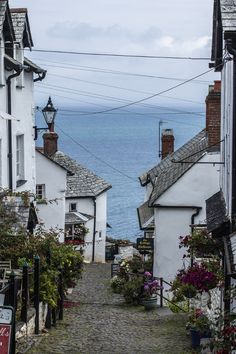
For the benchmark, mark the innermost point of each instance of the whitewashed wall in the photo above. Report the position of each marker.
(226, 132)
(51, 215)
(86, 205)
(192, 189)
(22, 109)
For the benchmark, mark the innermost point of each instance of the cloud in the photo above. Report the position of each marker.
(119, 38)
(85, 31)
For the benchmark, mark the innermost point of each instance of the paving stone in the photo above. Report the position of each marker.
(101, 323)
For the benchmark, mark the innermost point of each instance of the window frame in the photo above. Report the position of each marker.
(20, 163)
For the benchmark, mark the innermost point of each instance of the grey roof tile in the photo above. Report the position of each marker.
(166, 173)
(18, 20)
(228, 14)
(146, 216)
(216, 211)
(3, 7)
(83, 183)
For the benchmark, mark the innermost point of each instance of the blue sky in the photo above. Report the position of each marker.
(149, 27)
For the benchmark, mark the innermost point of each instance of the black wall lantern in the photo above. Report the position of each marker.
(49, 113)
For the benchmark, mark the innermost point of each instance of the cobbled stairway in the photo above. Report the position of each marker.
(100, 323)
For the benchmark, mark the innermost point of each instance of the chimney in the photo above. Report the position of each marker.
(167, 141)
(213, 114)
(50, 143)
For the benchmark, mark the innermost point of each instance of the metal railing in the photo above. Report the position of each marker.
(162, 297)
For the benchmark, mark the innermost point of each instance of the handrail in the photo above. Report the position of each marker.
(163, 281)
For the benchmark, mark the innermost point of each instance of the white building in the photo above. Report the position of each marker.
(221, 207)
(50, 193)
(85, 204)
(176, 189)
(17, 76)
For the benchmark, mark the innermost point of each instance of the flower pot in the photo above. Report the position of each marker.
(150, 303)
(195, 338)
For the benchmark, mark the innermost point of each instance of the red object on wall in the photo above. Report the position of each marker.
(5, 338)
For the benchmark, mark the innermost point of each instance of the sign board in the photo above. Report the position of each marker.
(5, 338)
(6, 321)
(114, 269)
(145, 245)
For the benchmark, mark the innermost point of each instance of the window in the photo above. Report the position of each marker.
(20, 157)
(73, 207)
(75, 234)
(100, 234)
(40, 191)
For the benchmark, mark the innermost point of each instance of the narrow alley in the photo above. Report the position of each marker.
(101, 323)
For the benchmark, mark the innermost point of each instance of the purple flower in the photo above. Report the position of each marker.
(147, 274)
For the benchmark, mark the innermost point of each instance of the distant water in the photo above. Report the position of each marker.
(129, 142)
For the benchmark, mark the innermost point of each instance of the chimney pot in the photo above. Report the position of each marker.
(213, 113)
(167, 139)
(50, 143)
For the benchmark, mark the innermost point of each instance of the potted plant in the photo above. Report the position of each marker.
(149, 291)
(199, 327)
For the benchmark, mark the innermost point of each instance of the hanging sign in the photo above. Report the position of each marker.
(6, 319)
(145, 245)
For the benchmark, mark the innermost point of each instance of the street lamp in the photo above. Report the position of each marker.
(49, 113)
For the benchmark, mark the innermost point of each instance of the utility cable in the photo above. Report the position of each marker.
(157, 115)
(115, 72)
(116, 54)
(96, 157)
(152, 96)
(91, 94)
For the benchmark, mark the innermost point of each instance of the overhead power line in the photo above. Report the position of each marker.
(150, 97)
(96, 157)
(157, 115)
(109, 98)
(114, 72)
(119, 55)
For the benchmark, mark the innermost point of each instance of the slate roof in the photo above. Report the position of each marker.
(228, 14)
(145, 216)
(21, 26)
(166, 173)
(216, 211)
(77, 217)
(83, 183)
(3, 7)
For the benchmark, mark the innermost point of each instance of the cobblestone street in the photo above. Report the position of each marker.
(102, 324)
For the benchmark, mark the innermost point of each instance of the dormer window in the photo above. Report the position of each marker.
(73, 207)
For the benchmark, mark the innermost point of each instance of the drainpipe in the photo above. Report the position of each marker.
(94, 227)
(10, 167)
(232, 51)
(192, 227)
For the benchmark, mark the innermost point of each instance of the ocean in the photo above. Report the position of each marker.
(119, 148)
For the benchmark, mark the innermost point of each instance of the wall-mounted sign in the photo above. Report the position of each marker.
(145, 245)
(5, 339)
(6, 319)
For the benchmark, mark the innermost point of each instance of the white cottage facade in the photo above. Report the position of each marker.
(17, 76)
(82, 200)
(176, 190)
